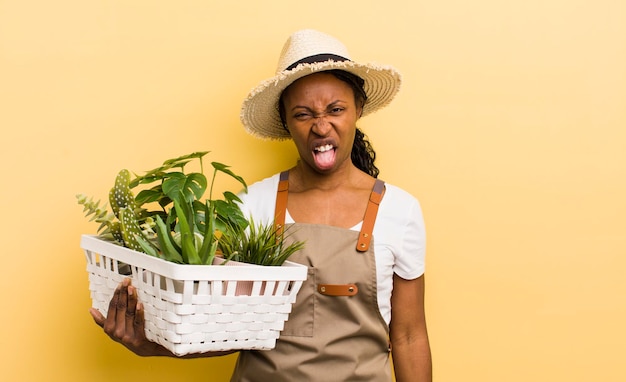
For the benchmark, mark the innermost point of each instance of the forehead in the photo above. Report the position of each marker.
(319, 84)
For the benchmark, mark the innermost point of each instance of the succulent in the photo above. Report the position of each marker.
(258, 244)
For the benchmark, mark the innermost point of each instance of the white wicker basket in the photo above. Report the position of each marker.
(197, 308)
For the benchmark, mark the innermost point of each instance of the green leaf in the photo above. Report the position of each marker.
(209, 244)
(158, 173)
(147, 246)
(185, 158)
(196, 183)
(148, 196)
(173, 185)
(229, 213)
(187, 237)
(169, 250)
(224, 168)
(180, 187)
(231, 197)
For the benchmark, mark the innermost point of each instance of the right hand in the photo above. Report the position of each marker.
(124, 322)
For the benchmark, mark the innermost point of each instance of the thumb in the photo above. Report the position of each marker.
(97, 316)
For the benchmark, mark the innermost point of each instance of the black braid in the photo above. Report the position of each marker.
(363, 154)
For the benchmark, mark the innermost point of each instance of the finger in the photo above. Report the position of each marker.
(131, 308)
(109, 323)
(140, 321)
(97, 317)
(121, 308)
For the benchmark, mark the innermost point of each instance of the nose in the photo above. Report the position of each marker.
(321, 126)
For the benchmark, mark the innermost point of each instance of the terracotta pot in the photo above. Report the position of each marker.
(243, 288)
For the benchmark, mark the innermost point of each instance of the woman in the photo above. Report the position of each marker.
(364, 239)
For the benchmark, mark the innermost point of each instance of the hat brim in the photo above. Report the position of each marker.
(259, 111)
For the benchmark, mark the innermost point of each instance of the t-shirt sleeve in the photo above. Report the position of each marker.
(402, 224)
(410, 256)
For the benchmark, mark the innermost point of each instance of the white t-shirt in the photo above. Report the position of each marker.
(399, 234)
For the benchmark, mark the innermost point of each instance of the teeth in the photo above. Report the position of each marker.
(324, 148)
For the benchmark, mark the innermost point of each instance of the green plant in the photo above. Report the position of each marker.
(258, 244)
(167, 218)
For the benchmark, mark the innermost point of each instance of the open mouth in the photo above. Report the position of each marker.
(324, 156)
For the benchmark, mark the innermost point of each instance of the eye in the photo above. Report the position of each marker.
(302, 116)
(336, 110)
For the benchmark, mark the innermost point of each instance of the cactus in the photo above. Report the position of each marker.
(125, 208)
(120, 195)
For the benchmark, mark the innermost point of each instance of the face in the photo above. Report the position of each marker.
(321, 115)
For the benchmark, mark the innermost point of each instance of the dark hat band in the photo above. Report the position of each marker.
(317, 58)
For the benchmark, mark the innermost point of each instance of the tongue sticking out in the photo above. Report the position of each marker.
(325, 160)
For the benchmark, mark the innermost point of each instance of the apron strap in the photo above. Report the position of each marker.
(365, 236)
(281, 203)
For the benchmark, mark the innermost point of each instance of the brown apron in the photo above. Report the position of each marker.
(335, 331)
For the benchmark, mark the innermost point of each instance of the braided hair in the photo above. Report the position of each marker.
(363, 154)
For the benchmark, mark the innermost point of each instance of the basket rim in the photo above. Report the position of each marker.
(289, 271)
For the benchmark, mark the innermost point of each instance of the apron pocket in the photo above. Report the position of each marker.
(301, 319)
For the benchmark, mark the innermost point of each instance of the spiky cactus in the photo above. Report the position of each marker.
(123, 204)
(128, 213)
(120, 196)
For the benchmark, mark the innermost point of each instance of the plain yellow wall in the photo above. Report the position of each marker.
(510, 128)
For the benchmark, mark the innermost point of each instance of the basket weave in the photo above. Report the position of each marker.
(197, 308)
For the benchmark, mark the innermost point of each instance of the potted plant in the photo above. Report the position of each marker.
(166, 239)
(169, 220)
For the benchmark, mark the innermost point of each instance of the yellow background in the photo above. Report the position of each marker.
(510, 128)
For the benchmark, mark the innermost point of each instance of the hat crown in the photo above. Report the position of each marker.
(306, 52)
(306, 43)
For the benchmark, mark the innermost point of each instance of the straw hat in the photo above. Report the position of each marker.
(307, 52)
